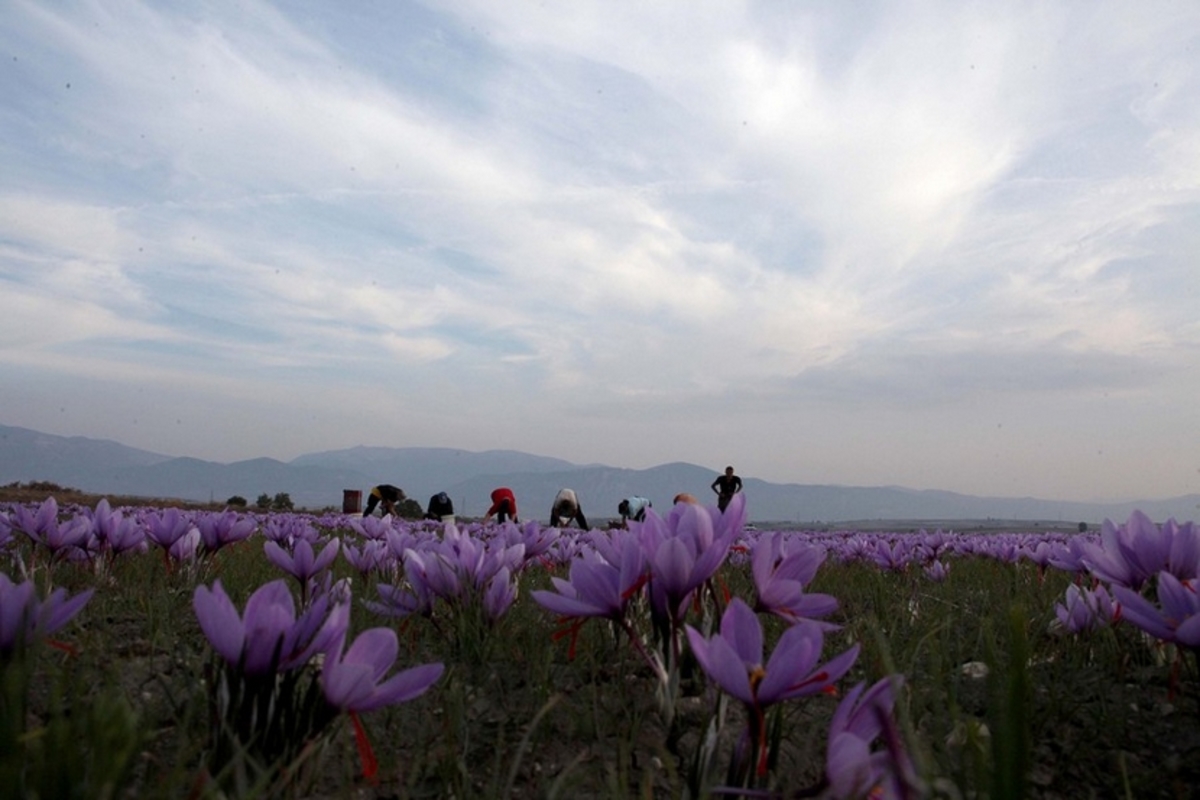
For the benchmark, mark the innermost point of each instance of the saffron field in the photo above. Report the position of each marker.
(160, 652)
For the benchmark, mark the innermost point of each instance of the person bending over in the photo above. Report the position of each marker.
(633, 508)
(504, 505)
(566, 507)
(384, 493)
(440, 505)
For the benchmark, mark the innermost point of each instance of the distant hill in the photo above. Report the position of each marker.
(317, 480)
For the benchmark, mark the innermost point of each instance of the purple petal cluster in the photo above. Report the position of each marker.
(1084, 610)
(268, 637)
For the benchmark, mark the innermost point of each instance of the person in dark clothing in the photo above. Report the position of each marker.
(633, 508)
(566, 507)
(504, 505)
(726, 486)
(440, 505)
(388, 495)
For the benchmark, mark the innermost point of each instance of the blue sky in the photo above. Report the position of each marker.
(938, 245)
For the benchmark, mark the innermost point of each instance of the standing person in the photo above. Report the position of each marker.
(566, 507)
(388, 495)
(726, 486)
(504, 505)
(440, 507)
(633, 508)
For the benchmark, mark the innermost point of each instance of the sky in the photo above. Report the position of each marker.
(940, 245)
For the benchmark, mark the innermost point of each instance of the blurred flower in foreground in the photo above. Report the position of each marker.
(1178, 619)
(853, 769)
(23, 617)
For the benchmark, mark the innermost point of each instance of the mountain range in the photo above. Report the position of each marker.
(318, 480)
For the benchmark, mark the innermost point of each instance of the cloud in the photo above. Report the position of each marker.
(506, 220)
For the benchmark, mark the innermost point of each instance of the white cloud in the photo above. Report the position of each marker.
(701, 224)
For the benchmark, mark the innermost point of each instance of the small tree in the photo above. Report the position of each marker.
(282, 502)
(237, 500)
(263, 502)
(409, 509)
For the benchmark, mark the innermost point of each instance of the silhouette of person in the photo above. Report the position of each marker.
(726, 486)
(388, 495)
(504, 505)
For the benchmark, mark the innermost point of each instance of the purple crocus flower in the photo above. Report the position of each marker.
(167, 527)
(185, 547)
(894, 555)
(225, 528)
(684, 550)
(23, 617)
(35, 524)
(115, 532)
(301, 563)
(268, 637)
(1183, 556)
(1178, 619)
(780, 577)
(852, 768)
(351, 679)
(1130, 554)
(595, 587)
(368, 558)
(43, 527)
(1084, 609)
(499, 595)
(399, 602)
(936, 570)
(734, 659)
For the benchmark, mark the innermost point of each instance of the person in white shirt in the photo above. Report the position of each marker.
(565, 509)
(633, 508)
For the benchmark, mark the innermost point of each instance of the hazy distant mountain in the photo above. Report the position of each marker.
(29, 455)
(317, 480)
(429, 467)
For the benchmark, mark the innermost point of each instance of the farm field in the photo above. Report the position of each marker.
(164, 652)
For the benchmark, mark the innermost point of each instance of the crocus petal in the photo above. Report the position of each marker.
(722, 663)
(278, 556)
(740, 627)
(406, 685)
(848, 766)
(219, 621)
(376, 648)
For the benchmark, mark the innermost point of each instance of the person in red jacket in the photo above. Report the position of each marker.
(504, 505)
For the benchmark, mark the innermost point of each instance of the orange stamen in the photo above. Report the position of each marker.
(70, 650)
(642, 580)
(571, 629)
(370, 764)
